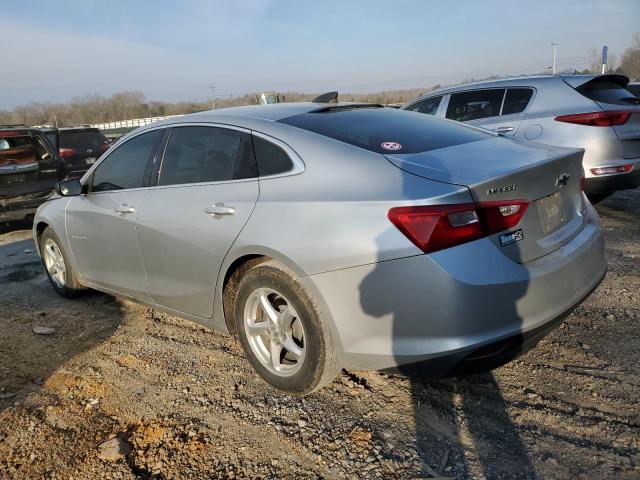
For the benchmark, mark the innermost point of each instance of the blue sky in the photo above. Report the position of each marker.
(174, 50)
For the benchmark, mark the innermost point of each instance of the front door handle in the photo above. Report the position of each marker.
(504, 129)
(124, 208)
(220, 209)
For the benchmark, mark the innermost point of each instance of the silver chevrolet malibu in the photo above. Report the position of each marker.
(334, 235)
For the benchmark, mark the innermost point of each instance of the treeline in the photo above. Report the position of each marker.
(127, 105)
(96, 108)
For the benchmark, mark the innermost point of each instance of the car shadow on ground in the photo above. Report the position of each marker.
(28, 305)
(443, 306)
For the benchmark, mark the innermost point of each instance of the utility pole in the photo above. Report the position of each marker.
(555, 51)
(213, 105)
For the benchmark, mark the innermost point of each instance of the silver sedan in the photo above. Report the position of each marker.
(328, 236)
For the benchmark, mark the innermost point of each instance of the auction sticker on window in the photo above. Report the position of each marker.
(391, 146)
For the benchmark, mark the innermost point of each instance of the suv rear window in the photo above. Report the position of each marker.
(385, 130)
(82, 140)
(608, 91)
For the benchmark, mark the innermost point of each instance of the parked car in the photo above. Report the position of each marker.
(634, 88)
(80, 147)
(29, 170)
(594, 112)
(334, 235)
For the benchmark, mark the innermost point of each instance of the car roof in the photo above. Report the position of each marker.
(273, 111)
(81, 128)
(519, 81)
(249, 115)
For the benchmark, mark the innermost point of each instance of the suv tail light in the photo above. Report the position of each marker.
(598, 119)
(609, 170)
(433, 228)
(67, 152)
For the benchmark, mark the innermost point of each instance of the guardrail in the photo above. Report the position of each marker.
(131, 123)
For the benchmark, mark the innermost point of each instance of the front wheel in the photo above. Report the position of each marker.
(281, 332)
(57, 265)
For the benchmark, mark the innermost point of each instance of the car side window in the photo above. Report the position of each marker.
(428, 106)
(474, 105)
(516, 100)
(271, 159)
(125, 167)
(206, 154)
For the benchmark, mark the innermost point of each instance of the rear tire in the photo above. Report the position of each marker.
(56, 264)
(280, 330)
(598, 197)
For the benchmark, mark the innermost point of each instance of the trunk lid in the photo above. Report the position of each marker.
(501, 169)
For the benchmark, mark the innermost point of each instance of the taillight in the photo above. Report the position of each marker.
(104, 147)
(67, 152)
(598, 119)
(610, 170)
(433, 228)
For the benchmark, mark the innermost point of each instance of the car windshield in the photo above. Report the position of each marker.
(385, 130)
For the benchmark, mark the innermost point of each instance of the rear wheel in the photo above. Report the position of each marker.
(281, 332)
(57, 265)
(598, 197)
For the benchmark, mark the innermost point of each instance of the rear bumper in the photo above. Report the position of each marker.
(483, 358)
(445, 307)
(603, 184)
(15, 211)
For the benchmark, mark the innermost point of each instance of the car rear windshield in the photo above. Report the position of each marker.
(608, 91)
(385, 130)
(83, 140)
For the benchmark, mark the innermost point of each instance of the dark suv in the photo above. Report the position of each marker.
(29, 170)
(79, 148)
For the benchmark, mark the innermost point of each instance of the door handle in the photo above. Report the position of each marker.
(124, 208)
(220, 209)
(504, 129)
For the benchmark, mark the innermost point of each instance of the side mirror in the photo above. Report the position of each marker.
(69, 188)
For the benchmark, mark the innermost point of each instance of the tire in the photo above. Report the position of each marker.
(598, 197)
(53, 257)
(305, 365)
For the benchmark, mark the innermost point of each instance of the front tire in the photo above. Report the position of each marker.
(281, 332)
(57, 265)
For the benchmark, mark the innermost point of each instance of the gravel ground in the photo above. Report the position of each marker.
(111, 389)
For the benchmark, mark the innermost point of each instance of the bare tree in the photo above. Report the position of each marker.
(630, 62)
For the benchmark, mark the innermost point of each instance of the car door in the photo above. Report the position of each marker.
(101, 225)
(29, 170)
(206, 190)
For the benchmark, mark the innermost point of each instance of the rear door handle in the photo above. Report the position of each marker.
(504, 129)
(219, 210)
(124, 208)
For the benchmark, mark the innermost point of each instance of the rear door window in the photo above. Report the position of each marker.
(126, 166)
(516, 100)
(428, 106)
(474, 105)
(206, 154)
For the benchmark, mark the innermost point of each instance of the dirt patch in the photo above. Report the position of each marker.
(186, 401)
